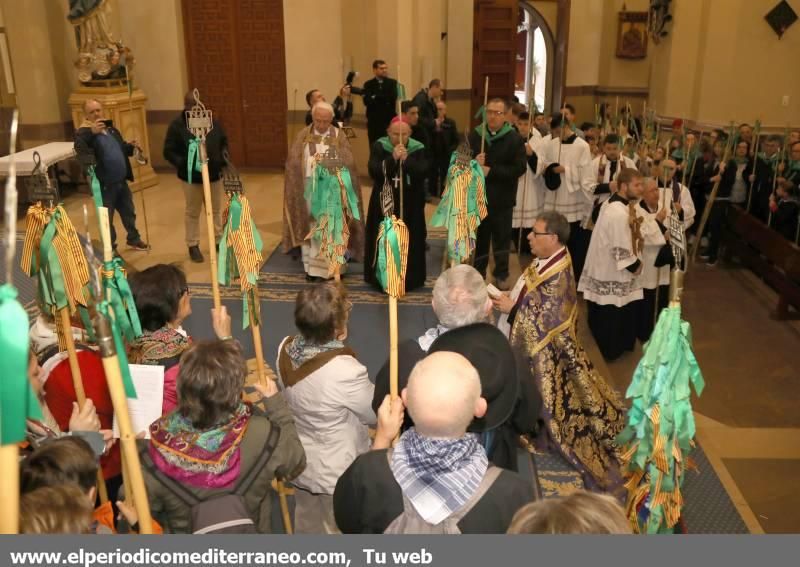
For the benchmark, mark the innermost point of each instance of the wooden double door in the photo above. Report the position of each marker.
(236, 58)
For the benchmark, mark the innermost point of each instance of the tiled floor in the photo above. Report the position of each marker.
(748, 418)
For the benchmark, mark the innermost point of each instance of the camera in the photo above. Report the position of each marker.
(349, 82)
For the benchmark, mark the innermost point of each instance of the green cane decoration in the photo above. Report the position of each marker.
(118, 292)
(333, 204)
(240, 255)
(17, 400)
(660, 429)
(463, 205)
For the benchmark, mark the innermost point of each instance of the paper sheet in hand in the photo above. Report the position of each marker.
(146, 408)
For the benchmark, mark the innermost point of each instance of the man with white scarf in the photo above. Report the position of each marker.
(437, 478)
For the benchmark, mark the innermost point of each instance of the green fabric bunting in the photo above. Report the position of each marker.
(17, 400)
(115, 286)
(382, 266)
(229, 267)
(105, 309)
(461, 224)
(324, 195)
(413, 145)
(193, 161)
(664, 378)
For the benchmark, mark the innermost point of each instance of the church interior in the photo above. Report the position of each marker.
(679, 65)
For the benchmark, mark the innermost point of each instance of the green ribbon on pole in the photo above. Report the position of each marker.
(94, 183)
(193, 161)
(51, 279)
(121, 299)
(401, 91)
(382, 267)
(105, 308)
(17, 399)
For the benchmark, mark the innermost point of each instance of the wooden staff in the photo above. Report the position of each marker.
(561, 134)
(393, 339)
(694, 163)
(136, 159)
(256, 330)
(525, 180)
(131, 467)
(400, 169)
(775, 176)
(616, 115)
(9, 454)
(200, 123)
(485, 111)
(755, 165)
(711, 198)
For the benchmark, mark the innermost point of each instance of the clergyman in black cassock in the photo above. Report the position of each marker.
(414, 167)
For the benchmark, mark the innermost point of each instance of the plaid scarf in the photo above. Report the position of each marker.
(438, 476)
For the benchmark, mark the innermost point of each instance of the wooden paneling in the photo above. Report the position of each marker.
(236, 58)
(494, 49)
(262, 64)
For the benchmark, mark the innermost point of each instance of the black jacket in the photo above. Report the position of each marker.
(427, 110)
(785, 219)
(380, 100)
(85, 143)
(176, 149)
(367, 499)
(506, 159)
(445, 140)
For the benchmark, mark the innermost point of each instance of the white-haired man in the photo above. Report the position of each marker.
(459, 299)
(437, 478)
(308, 147)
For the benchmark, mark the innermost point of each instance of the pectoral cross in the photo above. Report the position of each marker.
(396, 180)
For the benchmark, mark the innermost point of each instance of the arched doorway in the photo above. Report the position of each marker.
(534, 58)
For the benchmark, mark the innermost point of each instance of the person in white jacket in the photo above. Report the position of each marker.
(330, 395)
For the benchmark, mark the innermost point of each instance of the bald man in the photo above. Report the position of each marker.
(436, 466)
(395, 153)
(100, 138)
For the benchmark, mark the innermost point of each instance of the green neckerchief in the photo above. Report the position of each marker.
(500, 133)
(413, 145)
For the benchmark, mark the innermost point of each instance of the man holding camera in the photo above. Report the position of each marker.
(380, 98)
(113, 169)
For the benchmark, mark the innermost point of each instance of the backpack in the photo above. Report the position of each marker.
(219, 513)
(410, 522)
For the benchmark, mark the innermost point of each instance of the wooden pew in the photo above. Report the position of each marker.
(768, 255)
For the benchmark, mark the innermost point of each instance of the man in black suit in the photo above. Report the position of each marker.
(380, 98)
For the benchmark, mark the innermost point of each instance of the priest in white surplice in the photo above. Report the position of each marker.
(657, 260)
(606, 167)
(570, 184)
(610, 282)
(530, 187)
(675, 191)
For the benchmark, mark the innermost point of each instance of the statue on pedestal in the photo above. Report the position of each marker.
(101, 59)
